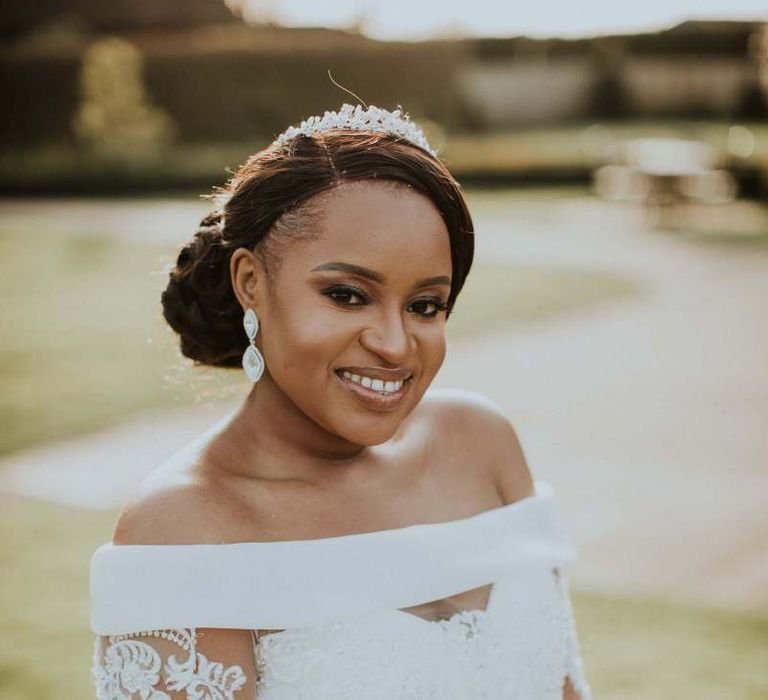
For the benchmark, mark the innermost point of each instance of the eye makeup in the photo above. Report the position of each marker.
(338, 292)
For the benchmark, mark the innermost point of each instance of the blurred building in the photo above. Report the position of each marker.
(696, 69)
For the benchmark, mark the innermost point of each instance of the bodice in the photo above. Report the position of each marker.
(522, 646)
(338, 603)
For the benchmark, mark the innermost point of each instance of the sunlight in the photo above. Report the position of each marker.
(400, 19)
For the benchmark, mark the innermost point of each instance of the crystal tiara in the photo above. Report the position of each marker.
(354, 117)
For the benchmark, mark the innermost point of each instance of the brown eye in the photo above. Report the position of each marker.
(342, 293)
(423, 307)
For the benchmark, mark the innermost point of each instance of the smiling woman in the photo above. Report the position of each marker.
(343, 534)
(372, 314)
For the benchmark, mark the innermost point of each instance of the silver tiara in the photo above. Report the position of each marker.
(354, 117)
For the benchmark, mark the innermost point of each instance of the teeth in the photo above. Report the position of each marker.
(375, 384)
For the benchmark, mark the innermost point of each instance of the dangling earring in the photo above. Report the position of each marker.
(253, 362)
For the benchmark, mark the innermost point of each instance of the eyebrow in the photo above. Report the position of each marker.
(377, 276)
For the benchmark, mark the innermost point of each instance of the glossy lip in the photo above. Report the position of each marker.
(372, 399)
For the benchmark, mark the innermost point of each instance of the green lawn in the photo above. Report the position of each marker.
(509, 296)
(633, 649)
(582, 146)
(89, 346)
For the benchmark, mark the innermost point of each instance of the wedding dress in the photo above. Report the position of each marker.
(338, 603)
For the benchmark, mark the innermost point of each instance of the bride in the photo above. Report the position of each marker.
(345, 533)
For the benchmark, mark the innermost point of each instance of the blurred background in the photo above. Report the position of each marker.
(615, 159)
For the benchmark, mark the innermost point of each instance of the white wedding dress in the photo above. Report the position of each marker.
(338, 601)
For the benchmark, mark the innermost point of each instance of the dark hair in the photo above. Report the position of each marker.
(266, 208)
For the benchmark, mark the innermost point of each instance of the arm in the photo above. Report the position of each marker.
(176, 664)
(494, 447)
(514, 481)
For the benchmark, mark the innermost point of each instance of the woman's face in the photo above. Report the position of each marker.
(364, 298)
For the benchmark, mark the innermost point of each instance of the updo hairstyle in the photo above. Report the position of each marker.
(267, 205)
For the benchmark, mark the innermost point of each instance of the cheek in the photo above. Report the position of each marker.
(307, 339)
(434, 345)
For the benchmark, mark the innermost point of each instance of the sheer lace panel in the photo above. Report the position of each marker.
(168, 664)
(522, 646)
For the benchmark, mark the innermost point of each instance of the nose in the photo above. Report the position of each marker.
(388, 338)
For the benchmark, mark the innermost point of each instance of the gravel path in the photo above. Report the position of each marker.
(648, 414)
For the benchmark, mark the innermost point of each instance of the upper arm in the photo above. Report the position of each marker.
(492, 439)
(176, 664)
(173, 663)
(483, 423)
(186, 514)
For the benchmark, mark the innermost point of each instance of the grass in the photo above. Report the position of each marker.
(645, 648)
(505, 296)
(633, 648)
(85, 317)
(89, 347)
(581, 146)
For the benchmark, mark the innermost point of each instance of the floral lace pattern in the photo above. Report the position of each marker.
(132, 668)
(523, 646)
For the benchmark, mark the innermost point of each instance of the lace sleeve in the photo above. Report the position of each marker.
(575, 675)
(175, 664)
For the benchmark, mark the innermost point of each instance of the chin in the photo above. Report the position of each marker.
(369, 437)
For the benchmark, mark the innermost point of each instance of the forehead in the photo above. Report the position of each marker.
(387, 226)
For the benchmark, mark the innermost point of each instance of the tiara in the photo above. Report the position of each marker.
(354, 117)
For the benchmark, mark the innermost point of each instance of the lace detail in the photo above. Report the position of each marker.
(574, 663)
(520, 648)
(132, 667)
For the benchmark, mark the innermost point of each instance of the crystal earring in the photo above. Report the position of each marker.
(253, 362)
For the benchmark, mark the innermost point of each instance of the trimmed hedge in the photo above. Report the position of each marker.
(240, 94)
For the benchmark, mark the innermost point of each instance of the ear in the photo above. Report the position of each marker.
(249, 279)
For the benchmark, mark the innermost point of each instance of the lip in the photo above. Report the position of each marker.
(372, 399)
(386, 375)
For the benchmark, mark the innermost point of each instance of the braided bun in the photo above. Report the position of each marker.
(199, 303)
(269, 206)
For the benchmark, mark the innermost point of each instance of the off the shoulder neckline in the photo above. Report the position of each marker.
(543, 491)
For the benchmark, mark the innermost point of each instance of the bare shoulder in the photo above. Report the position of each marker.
(178, 512)
(486, 432)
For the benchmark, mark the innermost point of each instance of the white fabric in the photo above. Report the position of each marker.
(520, 648)
(337, 601)
(267, 585)
(133, 666)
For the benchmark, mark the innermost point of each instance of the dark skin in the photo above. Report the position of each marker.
(306, 418)
(302, 458)
(351, 468)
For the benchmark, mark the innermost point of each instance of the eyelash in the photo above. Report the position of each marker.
(347, 290)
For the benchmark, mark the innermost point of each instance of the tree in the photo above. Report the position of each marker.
(115, 119)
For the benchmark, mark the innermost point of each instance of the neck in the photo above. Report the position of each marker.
(270, 437)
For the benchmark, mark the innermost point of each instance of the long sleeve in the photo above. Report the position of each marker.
(175, 664)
